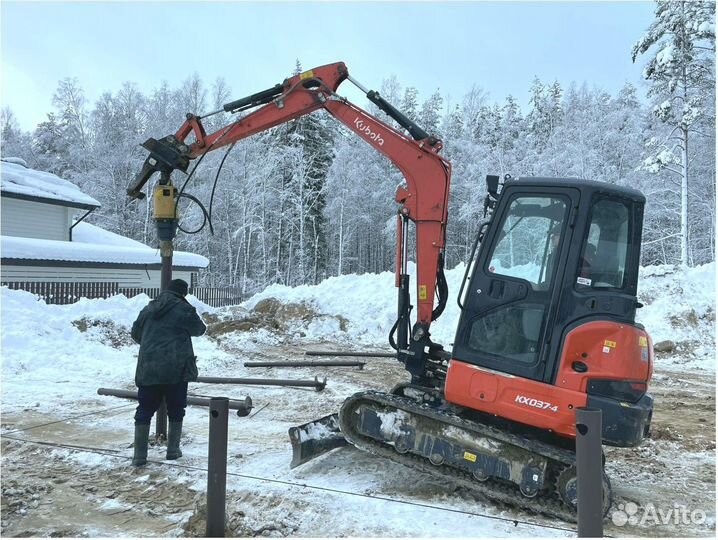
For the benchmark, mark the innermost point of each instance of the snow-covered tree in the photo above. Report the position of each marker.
(13, 141)
(70, 101)
(309, 198)
(410, 103)
(50, 146)
(431, 112)
(681, 71)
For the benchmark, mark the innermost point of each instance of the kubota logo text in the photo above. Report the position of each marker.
(374, 136)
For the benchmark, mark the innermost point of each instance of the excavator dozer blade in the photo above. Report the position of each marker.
(315, 438)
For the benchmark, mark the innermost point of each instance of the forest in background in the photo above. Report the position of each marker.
(309, 199)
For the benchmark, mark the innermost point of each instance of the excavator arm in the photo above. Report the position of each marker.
(423, 200)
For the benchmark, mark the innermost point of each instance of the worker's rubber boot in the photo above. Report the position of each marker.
(142, 435)
(173, 440)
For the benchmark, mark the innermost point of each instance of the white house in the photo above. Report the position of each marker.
(43, 237)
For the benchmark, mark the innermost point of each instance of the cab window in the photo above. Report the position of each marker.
(605, 249)
(511, 332)
(528, 243)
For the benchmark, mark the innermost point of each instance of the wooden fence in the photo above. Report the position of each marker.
(129, 292)
(213, 296)
(64, 292)
(216, 296)
(68, 293)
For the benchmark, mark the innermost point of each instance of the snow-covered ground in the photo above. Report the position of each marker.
(55, 357)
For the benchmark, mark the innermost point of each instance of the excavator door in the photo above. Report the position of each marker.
(511, 301)
(557, 252)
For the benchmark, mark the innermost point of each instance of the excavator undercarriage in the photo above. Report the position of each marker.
(415, 427)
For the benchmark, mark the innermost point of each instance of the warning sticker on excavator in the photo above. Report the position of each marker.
(468, 456)
(642, 341)
(422, 292)
(306, 75)
(609, 343)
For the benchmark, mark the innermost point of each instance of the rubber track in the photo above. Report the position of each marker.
(495, 490)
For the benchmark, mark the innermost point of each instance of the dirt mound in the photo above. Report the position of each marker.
(273, 309)
(270, 314)
(267, 307)
(104, 331)
(241, 325)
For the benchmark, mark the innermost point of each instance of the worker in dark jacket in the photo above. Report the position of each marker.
(166, 363)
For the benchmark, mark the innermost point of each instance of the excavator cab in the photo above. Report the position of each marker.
(548, 318)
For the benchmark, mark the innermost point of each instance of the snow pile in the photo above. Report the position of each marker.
(679, 306)
(367, 301)
(367, 304)
(76, 344)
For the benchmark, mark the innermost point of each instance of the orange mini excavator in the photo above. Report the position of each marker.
(547, 321)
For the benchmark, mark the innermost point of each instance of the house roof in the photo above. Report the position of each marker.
(87, 233)
(20, 182)
(92, 244)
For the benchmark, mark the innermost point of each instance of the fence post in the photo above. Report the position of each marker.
(589, 472)
(217, 467)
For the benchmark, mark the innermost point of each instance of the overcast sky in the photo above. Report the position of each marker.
(499, 46)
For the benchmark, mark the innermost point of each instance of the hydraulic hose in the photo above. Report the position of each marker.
(442, 289)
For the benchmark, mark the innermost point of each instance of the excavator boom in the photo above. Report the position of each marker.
(423, 200)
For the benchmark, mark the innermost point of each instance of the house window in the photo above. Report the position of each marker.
(193, 280)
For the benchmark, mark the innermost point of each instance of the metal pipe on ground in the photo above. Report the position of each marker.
(312, 363)
(217, 468)
(242, 406)
(350, 353)
(589, 472)
(316, 383)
